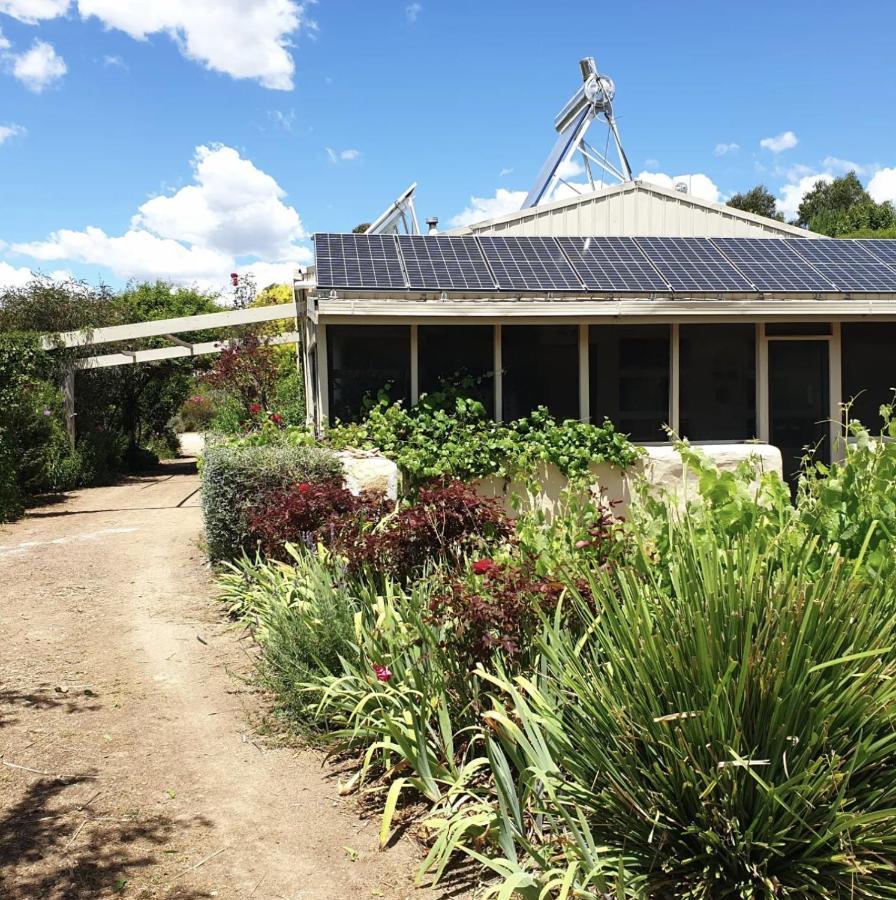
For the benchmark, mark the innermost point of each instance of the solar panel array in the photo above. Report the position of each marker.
(771, 265)
(847, 264)
(576, 265)
(445, 263)
(612, 264)
(693, 264)
(525, 264)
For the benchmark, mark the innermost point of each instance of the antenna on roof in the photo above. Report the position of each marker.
(400, 214)
(591, 101)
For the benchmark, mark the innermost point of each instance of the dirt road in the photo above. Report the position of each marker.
(121, 683)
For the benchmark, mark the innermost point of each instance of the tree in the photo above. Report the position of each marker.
(360, 229)
(837, 196)
(759, 201)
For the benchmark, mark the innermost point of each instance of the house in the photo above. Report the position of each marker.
(806, 323)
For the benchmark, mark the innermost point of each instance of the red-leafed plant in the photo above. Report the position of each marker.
(308, 513)
(248, 370)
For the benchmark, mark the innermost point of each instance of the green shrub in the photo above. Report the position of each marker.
(235, 477)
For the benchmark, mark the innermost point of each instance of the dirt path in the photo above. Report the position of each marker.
(118, 673)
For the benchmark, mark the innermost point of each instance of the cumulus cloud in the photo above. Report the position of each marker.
(11, 131)
(37, 68)
(232, 216)
(883, 185)
(338, 156)
(238, 38)
(786, 140)
(725, 149)
(18, 276)
(482, 208)
(835, 164)
(791, 194)
(32, 11)
(698, 184)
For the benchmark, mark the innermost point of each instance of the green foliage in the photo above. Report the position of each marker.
(447, 434)
(235, 477)
(843, 207)
(758, 200)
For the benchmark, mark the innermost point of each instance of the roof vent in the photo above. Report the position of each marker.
(432, 225)
(681, 187)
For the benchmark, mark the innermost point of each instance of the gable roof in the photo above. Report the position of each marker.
(634, 209)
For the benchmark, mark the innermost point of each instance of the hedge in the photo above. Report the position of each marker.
(234, 478)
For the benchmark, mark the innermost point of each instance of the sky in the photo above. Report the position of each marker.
(186, 139)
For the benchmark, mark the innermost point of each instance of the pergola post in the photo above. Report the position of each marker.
(68, 402)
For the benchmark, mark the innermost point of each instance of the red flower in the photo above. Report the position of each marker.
(383, 673)
(484, 566)
(277, 419)
(255, 408)
(234, 279)
(304, 487)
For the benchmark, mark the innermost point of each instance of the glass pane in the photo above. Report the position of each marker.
(449, 352)
(799, 409)
(362, 360)
(717, 394)
(629, 377)
(541, 368)
(869, 369)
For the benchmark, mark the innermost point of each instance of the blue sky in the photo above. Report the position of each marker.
(185, 139)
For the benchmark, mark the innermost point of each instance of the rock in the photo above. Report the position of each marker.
(366, 470)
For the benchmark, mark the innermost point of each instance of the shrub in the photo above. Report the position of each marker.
(234, 478)
(306, 513)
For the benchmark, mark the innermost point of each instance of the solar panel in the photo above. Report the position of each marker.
(529, 264)
(365, 261)
(771, 265)
(693, 264)
(612, 264)
(438, 262)
(884, 250)
(849, 265)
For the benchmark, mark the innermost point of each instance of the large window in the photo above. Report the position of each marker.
(717, 387)
(447, 352)
(541, 368)
(362, 359)
(869, 368)
(630, 378)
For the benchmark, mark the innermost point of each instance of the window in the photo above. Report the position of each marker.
(717, 387)
(541, 368)
(447, 351)
(629, 378)
(869, 368)
(363, 359)
(797, 329)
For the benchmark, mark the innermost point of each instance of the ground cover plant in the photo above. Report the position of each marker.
(693, 703)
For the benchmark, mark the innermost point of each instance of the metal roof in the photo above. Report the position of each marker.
(633, 209)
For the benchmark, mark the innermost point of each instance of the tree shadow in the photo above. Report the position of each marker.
(53, 849)
(43, 699)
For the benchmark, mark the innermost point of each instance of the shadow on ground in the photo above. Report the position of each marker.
(53, 846)
(43, 699)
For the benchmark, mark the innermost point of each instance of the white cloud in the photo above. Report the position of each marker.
(338, 156)
(232, 217)
(15, 277)
(39, 67)
(790, 195)
(505, 172)
(412, 11)
(115, 62)
(285, 120)
(570, 168)
(843, 166)
(4, 44)
(239, 38)
(787, 140)
(883, 185)
(32, 11)
(11, 131)
(725, 149)
(482, 208)
(233, 208)
(698, 184)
